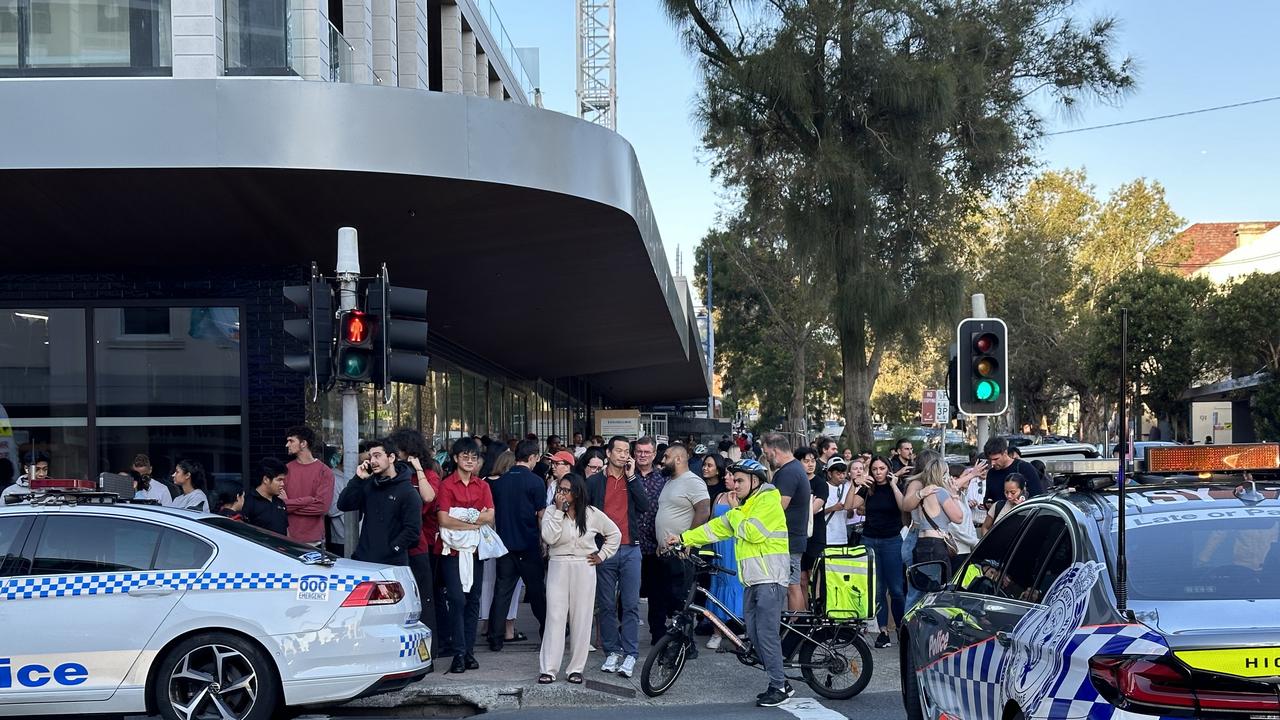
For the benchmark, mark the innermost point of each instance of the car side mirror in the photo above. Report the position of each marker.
(928, 576)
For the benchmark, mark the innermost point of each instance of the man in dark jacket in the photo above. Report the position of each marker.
(262, 505)
(383, 492)
(619, 493)
(1004, 464)
(519, 497)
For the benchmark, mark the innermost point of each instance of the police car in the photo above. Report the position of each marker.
(110, 607)
(1074, 608)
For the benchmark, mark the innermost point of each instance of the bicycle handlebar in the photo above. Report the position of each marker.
(693, 558)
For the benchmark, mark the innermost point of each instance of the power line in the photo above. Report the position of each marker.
(1166, 117)
(1219, 263)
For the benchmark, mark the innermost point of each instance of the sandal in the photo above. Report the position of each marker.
(546, 679)
(519, 637)
(575, 678)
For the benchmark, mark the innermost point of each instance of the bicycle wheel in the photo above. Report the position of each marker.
(663, 664)
(838, 665)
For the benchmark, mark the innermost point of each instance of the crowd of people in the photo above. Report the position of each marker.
(583, 532)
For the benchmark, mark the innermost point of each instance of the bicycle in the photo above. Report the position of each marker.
(831, 655)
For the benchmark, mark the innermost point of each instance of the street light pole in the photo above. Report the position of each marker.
(348, 269)
(980, 311)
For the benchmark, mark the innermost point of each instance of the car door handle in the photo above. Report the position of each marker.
(1004, 638)
(151, 591)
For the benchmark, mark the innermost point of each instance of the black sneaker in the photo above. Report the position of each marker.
(883, 641)
(790, 691)
(772, 698)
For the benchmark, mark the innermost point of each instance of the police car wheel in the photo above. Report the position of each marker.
(911, 694)
(215, 675)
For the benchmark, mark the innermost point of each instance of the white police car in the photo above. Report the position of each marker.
(1077, 605)
(121, 608)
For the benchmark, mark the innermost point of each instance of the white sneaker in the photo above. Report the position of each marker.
(611, 663)
(591, 648)
(628, 667)
(714, 642)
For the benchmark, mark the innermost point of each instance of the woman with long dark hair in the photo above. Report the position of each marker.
(880, 499)
(569, 528)
(189, 477)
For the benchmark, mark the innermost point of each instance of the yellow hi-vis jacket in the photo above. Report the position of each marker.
(759, 531)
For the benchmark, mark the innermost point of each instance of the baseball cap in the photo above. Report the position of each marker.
(837, 463)
(563, 456)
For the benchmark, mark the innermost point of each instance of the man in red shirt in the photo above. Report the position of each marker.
(620, 494)
(463, 489)
(308, 487)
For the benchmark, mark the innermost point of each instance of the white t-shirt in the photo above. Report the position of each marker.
(194, 500)
(837, 529)
(675, 505)
(155, 491)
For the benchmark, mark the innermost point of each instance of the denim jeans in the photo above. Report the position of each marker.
(889, 575)
(619, 577)
(908, 558)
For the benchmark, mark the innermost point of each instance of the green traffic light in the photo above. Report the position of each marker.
(354, 365)
(986, 391)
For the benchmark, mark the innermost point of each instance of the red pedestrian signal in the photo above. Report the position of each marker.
(354, 360)
(355, 328)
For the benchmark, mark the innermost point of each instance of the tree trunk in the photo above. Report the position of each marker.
(796, 415)
(859, 379)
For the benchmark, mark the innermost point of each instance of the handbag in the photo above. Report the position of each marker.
(491, 545)
(950, 542)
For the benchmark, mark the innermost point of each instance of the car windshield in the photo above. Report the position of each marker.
(1228, 554)
(281, 544)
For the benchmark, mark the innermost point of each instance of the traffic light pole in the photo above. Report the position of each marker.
(980, 311)
(348, 283)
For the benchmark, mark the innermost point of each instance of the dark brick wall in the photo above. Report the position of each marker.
(275, 394)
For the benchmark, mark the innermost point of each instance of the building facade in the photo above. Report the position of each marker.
(193, 157)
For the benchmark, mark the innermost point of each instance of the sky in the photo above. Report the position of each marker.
(1190, 54)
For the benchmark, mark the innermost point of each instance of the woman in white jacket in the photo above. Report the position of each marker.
(569, 529)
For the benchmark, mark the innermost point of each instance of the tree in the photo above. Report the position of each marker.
(1165, 312)
(773, 307)
(1241, 336)
(884, 122)
(1055, 247)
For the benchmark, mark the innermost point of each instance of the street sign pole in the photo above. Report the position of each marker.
(980, 311)
(348, 283)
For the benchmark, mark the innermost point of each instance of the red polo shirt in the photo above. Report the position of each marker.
(616, 503)
(474, 494)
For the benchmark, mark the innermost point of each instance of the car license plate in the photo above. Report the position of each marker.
(424, 653)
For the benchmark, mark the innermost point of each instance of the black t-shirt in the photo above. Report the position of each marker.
(792, 482)
(818, 488)
(267, 514)
(996, 478)
(884, 519)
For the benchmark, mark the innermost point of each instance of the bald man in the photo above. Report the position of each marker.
(683, 505)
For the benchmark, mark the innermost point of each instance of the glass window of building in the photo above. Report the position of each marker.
(167, 384)
(125, 37)
(43, 391)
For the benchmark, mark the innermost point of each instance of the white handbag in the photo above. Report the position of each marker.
(490, 544)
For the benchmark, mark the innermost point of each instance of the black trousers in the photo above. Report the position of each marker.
(521, 565)
(653, 586)
(420, 565)
(443, 643)
(679, 578)
(464, 607)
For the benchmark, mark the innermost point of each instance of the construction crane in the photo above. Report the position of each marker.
(597, 62)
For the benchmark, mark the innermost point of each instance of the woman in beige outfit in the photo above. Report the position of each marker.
(569, 529)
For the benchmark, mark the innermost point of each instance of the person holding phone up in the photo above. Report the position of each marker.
(570, 527)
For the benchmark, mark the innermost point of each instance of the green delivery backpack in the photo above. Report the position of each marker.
(842, 584)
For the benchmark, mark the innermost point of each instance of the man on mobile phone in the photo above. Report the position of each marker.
(383, 492)
(900, 463)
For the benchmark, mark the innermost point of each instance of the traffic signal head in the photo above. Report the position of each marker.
(356, 331)
(983, 373)
(314, 331)
(400, 352)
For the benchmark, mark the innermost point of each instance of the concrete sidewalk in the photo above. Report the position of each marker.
(507, 680)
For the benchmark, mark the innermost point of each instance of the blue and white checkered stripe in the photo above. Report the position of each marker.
(29, 588)
(967, 683)
(409, 642)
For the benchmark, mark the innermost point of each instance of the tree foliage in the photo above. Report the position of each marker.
(1241, 336)
(1165, 314)
(875, 125)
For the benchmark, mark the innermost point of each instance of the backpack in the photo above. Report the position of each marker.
(842, 584)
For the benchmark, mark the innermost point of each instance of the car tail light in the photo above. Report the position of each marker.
(375, 592)
(1156, 682)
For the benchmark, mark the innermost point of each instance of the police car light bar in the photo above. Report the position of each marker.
(1213, 458)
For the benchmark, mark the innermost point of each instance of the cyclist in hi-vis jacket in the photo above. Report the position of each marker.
(759, 531)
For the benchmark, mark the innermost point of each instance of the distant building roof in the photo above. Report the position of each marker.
(1261, 255)
(1210, 241)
